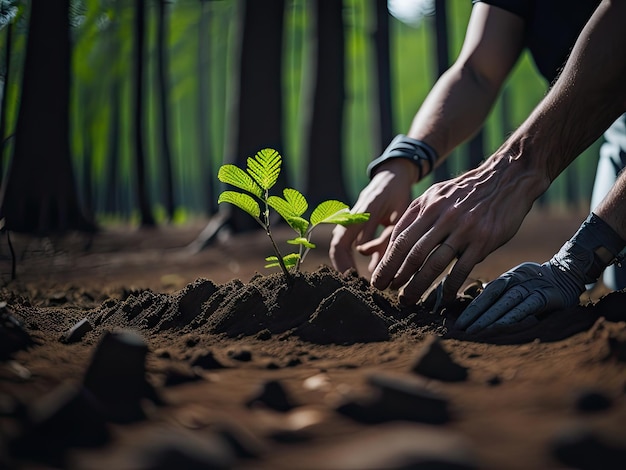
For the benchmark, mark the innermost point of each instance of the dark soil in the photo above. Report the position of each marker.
(128, 351)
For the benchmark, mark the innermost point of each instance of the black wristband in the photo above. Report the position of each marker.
(406, 147)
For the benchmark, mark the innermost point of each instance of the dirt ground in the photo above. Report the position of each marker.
(160, 380)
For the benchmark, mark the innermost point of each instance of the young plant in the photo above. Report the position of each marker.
(259, 177)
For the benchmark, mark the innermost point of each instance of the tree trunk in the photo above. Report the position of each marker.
(5, 88)
(163, 87)
(147, 220)
(383, 69)
(40, 193)
(442, 172)
(204, 121)
(260, 116)
(113, 194)
(325, 145)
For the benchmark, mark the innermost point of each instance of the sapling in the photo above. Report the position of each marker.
(259, 177)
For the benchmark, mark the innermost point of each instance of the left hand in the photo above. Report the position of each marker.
(525, 290)
(533, 288)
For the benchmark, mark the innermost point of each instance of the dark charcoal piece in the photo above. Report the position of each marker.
(584, 450)
(206, 360)
(273, 395)
(398, 398)
(77, 332)
(592, 400)
(180, 450)
(398, 446)
(434, 362)
(117, 376)
(13, 336)
(67, 417)
(180, 374)
(241, 355)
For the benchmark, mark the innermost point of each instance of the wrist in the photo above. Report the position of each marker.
(398, 166)
(527, 174)
(421, 155)
(592, 248)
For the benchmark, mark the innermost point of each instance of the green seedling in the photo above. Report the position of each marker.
(259, 177)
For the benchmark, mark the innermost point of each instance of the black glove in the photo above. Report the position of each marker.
(532, 288)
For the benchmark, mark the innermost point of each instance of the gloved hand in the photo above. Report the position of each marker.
(532, 288)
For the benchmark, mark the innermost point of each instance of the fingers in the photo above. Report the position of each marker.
(407, 251)
(535, 303)
(340, 251)
(376, 248)
(505, 304)
(437, 262)
(481, 303)
(457, 276)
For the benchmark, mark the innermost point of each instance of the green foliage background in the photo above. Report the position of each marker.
(102, 55)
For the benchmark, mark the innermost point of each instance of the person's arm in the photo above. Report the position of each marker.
(459, 103)
(455, 108)
(531, 288)
(470, 216)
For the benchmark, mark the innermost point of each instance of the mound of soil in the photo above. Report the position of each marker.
(322, 307)
(213, 371)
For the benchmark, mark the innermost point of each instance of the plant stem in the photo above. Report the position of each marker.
(286, 272)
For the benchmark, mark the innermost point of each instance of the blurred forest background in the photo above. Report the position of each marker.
(121, 111)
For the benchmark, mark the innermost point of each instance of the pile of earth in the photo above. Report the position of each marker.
(321, 307)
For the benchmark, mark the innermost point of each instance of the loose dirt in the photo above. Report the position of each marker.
(128, 350)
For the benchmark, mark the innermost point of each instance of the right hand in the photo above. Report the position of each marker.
(386, 198)
(461, 220)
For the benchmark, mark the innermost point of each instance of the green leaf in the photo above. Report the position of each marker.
(291, 208)
(299, 224)
(289, 260)
(336, 212)
(244, 201)
(301, 241)
(296, 200)
(265, 167)
(346, 218)
(326, 210)
(232, 174)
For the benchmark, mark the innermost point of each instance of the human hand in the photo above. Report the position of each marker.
(531, 288)
(465, 218)
(386, 197)
(525, 290)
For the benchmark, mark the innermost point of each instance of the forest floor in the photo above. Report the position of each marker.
(142, 355)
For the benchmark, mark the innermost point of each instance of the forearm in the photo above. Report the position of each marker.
(612, 209)
(587, 97)
(454, 110)
(460, 101)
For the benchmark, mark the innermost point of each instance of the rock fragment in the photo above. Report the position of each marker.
(116, 376)
(168, 449)
(273, 395)
(398, 397)
(13, 336)
(77, 332)
(583, 449)
(399, 446)
(65, 418)
(590, 401)
(205, 359)
(435, 362)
